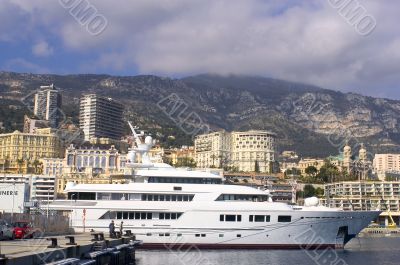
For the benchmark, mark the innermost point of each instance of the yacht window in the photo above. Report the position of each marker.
(103, 196)
(251, 218)
(259, 218)
(119, 196)
(242, 197)
(177, 188)
(230, 218)
(284, 218)
(169, 216)
(131, 215)
(88, 196)
(119, 215)
(125, 215)
(167, 197)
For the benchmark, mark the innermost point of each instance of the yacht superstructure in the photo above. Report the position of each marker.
(167, 207)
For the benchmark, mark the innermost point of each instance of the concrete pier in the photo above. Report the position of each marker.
(72, 249)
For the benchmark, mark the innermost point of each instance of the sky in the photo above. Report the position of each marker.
(346, 45)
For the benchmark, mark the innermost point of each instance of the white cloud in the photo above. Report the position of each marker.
(42, 49)
(26, 65)
(305, 41)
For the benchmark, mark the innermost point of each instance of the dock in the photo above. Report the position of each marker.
(86, 248)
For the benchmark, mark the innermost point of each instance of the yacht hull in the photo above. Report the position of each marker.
(307, 230)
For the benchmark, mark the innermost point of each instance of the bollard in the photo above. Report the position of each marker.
(53, 242)
(71, 240)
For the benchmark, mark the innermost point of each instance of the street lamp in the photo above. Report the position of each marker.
(72, 195)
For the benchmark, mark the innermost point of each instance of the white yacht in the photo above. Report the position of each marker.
(171, 208)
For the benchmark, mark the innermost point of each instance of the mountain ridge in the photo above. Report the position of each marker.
(305, 117)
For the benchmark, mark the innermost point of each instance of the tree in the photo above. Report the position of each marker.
(328, 172)
(20, 162)
(319, 192)
(311, 171)
(213, 156)
(309, 191)
(36, 164)
(167, 160)
(185, 162)
(256, 167)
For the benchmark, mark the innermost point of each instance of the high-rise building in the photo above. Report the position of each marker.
(386, 164)
(48, 105)
(244, 151)
(100, 117)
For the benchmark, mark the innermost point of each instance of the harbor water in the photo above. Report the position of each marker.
(360, 251)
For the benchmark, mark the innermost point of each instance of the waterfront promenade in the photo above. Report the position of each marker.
(45, 250)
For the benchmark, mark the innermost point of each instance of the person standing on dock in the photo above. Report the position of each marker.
(111, 227)
(121, 227)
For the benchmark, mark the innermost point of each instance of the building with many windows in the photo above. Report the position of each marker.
(365, 195)
(20, 151)
(175, 155)
(253, 150)
(386, 165)
(213, 149)
(52, 166)
(48, 105)
(92, 165)
(242, 151)
(100, 117)
(310, 162)
(93, 160)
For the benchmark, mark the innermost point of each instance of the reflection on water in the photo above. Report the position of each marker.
(363, 251)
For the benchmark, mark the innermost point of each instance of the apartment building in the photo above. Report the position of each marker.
(385, 164)
(245, 151)
(48, 105)
(100, 117)
(365, 195)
